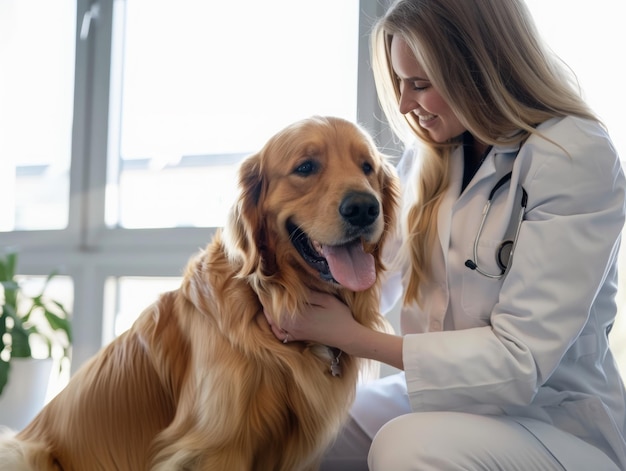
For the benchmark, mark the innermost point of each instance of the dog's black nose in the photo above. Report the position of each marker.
(359, 209)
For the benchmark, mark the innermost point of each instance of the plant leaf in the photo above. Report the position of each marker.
(17, 334)
(9, 311)
(7, 266)
(3, 329)
(20, 348)
(11, 288)
(9, 285)
(5, 366)
(61, 308)
(58, 323)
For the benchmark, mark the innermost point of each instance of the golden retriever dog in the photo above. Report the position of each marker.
(199, 382)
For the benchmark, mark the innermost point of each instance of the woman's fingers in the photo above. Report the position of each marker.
(280, 333)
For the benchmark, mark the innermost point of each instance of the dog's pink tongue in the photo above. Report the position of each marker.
(351, 266)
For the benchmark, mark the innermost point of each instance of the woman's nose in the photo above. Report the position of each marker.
(407, 103)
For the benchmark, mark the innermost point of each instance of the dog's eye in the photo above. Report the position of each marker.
(367, 168)
(306, 168)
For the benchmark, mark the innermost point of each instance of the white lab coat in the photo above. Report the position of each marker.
(534, 344)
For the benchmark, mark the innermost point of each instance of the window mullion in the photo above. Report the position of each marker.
(92, 155)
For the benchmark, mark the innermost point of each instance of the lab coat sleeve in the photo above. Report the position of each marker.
(566, 248)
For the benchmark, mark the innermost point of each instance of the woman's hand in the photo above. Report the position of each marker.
(328, 321)
(325, 320)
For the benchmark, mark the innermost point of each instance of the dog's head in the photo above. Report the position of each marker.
(315, 206)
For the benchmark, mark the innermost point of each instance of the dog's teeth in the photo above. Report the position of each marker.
(317, 246)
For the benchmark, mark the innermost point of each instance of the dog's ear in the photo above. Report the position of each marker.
(245, 228)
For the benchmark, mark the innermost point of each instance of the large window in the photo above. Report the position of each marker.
(196, 96)
(122, 122)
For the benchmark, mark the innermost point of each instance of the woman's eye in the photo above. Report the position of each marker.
(306, 168)
(415, 85)
(420, 85)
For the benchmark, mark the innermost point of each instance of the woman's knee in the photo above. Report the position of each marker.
(389, 450)
(430, 441)
(457, 441)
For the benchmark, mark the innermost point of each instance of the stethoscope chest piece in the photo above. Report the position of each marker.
(503, 254)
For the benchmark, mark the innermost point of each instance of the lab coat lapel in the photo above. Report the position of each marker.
(444, 217)
(453, 195)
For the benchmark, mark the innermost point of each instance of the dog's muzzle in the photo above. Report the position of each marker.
(345, 263)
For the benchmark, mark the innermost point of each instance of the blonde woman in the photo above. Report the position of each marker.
(506, 311)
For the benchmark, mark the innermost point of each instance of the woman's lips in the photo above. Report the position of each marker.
(427, 120)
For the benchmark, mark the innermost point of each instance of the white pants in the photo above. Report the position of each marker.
(454, 441)
(449, 441)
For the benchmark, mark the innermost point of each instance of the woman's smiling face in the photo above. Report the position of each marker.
(418, 96)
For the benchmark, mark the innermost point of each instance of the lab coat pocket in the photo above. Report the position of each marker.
(480, 292)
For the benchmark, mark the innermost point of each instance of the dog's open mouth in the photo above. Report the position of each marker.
(346, 264)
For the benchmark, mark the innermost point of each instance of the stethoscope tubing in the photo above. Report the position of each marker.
(473, 264)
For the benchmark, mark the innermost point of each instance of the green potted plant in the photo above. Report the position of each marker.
(26, 319)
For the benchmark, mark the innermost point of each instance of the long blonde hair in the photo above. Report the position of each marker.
(486, 60)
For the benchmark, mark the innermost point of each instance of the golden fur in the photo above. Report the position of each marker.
(199, 382)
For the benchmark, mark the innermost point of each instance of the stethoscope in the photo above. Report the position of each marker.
(506, 248)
